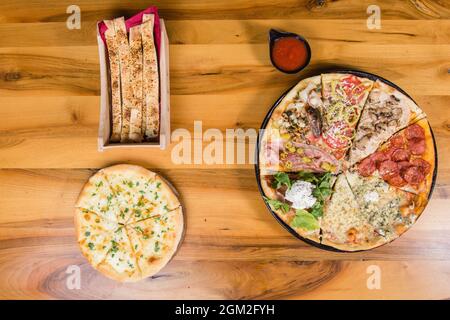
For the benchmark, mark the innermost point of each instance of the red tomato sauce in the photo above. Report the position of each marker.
(289, 53)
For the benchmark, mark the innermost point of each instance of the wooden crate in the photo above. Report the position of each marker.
(104, 130)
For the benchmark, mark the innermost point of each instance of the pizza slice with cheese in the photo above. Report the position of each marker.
(141, 193)
(343, 227)
(94, 234)
(97, 196)
(120, 262)
(388, 211)
(344, 96)
(155, 240)
(406, 161)
(386, 112)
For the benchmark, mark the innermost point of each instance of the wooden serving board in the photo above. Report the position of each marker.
(221, 74)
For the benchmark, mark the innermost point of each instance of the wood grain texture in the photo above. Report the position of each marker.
(220, 74)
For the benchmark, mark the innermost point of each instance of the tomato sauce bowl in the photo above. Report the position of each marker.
(289, 52)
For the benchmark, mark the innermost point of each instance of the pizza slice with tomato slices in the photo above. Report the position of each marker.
(344, 96)
(387, 111)
(292, 139)
(405, 161)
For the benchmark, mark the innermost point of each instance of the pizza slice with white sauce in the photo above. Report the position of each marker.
(94, 234)
(342, 225)
(387, 111)
(140, 193)
(97, 196)
(120, 262)
(155, 240)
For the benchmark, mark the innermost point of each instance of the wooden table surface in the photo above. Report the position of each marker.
(221, 75)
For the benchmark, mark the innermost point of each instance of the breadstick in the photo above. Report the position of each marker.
(136, 83)
(114, 65)
(127, 92)
(150, 79)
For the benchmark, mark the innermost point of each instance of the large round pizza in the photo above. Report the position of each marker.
(346, 160)
(129, 222)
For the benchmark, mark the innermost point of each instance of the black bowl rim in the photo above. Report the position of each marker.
(288, 35)
(358, 73)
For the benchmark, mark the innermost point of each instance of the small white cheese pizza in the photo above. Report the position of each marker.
(129, 222)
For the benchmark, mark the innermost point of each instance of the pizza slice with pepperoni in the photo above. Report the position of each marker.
(405, 161)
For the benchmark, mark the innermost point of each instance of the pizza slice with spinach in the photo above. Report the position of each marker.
(298, 199)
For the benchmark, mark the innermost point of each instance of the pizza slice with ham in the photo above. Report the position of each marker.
(387, 111)
(292, 140)
(405, 161)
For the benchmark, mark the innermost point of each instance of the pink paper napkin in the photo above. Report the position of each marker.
(136, 20)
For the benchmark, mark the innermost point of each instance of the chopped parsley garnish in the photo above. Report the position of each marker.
(158, 184)
(115, 246)
(157, 246)
(91, 246)
(87, 233)
(137, 213)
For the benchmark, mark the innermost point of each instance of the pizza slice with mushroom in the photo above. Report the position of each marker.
(387, 111)
(405, 161)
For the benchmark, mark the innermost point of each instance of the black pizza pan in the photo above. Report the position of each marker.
(357, 73)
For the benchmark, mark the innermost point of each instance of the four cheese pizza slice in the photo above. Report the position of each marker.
(120, 263)
(386, 112)
(388, 211)
(155, 240)
(97, 196)
(94, 235)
